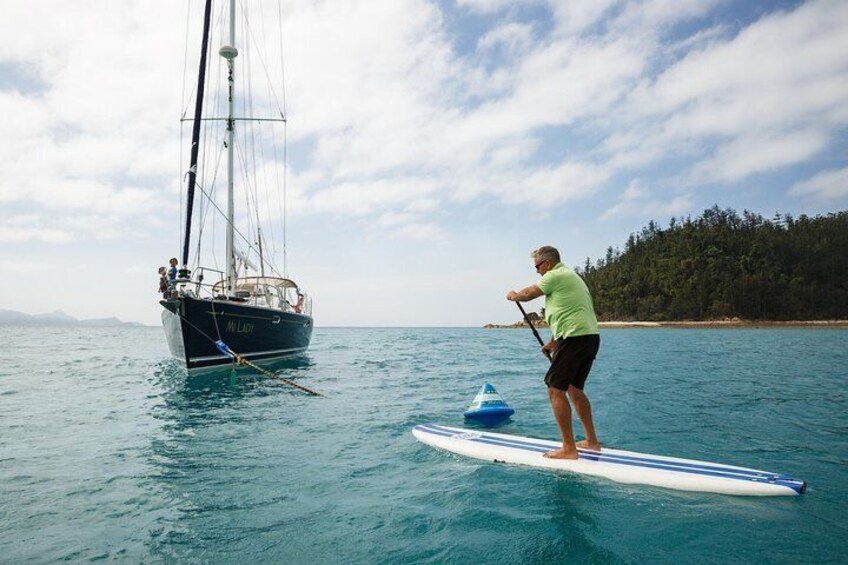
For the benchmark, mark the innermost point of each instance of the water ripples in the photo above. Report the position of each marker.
(111, 452)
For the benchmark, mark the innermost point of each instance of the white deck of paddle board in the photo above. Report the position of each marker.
(614, 464)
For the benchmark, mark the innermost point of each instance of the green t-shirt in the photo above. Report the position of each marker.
(568, 304)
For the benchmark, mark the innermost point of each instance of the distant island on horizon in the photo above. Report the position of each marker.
(58, 318)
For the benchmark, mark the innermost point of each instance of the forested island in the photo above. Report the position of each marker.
(723, 265)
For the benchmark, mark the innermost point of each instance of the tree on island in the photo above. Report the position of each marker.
(723, 265)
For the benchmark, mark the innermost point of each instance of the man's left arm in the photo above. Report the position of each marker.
(525, 294)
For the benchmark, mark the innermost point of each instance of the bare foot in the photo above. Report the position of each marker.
(595, 446)
(561, 454)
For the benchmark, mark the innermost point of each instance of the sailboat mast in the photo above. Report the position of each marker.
(229, 52)
(195, 131)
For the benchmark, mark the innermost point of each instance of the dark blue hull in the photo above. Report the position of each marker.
(193, 325)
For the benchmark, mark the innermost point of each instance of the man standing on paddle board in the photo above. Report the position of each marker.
(573, 346)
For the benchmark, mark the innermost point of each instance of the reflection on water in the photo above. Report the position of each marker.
(567, 525)
(219, 435)
(228, 381)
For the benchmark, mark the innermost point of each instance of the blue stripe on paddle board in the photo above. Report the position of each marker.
(600, 456)
(778, 480)
(526, 446)
(593, 456)
(675, 463)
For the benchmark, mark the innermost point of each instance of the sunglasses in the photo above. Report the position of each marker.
(538, 264)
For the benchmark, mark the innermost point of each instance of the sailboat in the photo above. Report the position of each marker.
(260, 316)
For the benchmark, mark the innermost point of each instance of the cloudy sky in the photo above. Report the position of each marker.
(432, 144)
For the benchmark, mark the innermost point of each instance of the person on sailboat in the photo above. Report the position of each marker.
(163, 281)
(574, 344)
(172, 272)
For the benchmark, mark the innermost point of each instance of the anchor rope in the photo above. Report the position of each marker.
(242, 361)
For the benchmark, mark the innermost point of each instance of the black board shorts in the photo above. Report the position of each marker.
(572, 361)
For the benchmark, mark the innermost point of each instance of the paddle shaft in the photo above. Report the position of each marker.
(533, 329)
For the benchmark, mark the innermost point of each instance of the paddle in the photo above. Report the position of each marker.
(533, 328)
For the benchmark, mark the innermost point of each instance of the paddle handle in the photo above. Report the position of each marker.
(533, 329)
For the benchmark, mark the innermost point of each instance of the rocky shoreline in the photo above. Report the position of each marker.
(725, 323)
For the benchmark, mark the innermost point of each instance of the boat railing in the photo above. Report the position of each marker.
(264, 292)
(278, 298)
(200, 273)
(184, 285)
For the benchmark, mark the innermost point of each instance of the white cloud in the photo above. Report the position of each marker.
(22, 234)
(99, 119)
(23, 267)
(512, 36)
(420, 231)
(32, 227)
(752, 154)
(654, 15)
(831, 184)
(407, 225)
(638, 201)
(390, 119)
(770, 97)
(361, 198)
(577, 17)
(391, 219)
(488, 6)
(548, 187)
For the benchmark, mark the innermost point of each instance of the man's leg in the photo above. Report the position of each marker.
(584, 412)
(562, 413)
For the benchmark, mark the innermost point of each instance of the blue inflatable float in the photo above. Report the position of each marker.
(488, 408)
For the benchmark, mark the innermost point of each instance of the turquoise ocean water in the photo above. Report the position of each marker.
(108, 452)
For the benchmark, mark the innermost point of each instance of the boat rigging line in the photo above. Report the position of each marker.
(235, 229)
(211, 28)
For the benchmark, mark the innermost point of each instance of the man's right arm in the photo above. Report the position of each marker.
(525, 294)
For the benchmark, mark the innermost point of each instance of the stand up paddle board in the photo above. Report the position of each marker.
(614, 464)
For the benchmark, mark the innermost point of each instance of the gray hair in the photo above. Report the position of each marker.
(546, 253)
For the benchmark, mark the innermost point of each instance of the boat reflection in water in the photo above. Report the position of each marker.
(204, 388)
